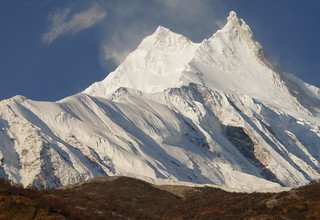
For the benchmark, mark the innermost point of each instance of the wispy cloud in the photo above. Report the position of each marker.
(115, 46)
(67, 22)
(129, 23)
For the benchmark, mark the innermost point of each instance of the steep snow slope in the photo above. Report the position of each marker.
(190, 134)
(209, 113)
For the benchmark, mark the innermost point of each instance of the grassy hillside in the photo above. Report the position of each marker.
(123, 197)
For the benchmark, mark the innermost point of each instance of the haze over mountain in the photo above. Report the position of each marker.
(215, 112)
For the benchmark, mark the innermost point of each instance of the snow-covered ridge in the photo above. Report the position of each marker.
(190, 134)
(231, 61)
(174, 111)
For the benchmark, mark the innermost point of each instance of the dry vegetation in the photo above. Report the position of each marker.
(122, 197)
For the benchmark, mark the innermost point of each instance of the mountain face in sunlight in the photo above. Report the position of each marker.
(174, 112)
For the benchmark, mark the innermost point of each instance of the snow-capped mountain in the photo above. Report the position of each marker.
(174, 111)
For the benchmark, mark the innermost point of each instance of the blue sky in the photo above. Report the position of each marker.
(50, 49)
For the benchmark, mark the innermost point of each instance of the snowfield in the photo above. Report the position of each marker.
(174, 111)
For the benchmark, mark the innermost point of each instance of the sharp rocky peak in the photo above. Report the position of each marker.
(233, 17)
(236, 27)
(237, 31)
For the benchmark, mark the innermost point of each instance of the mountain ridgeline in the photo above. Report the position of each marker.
(174, 112)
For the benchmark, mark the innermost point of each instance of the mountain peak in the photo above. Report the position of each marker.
(213, 105)
(166, 59)
(165, 36)
(239, 33)
(237, 24)
(162, 32)
(232, 15)
(230, 61)
(162, 39)
(234, 22)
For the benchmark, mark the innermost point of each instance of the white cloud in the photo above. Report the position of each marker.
(117, 56)
(65, 22)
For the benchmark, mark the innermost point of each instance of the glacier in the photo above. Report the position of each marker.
(174, 112)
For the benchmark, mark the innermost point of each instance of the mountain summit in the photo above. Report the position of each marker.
(165, 59)
(231, 61)
(174, 112)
